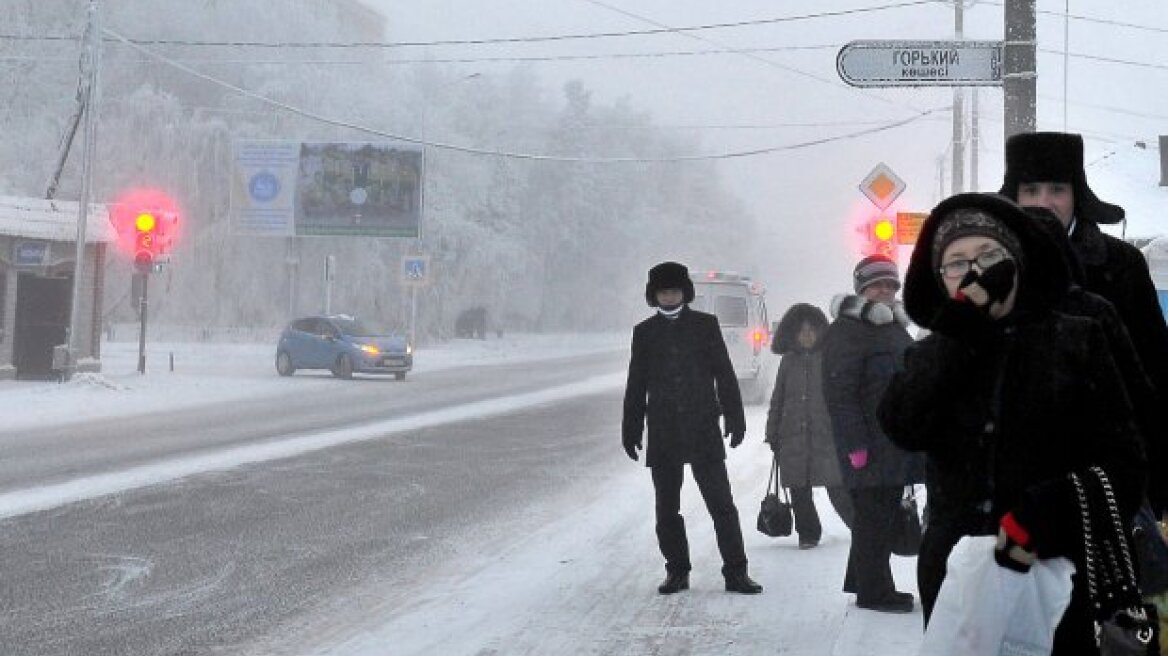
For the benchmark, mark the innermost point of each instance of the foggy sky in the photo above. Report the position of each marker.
(807, 200)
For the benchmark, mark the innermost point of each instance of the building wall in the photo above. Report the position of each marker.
(88, 344)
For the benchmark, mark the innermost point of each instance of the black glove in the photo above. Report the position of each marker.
(736, 438)
(998, 280)
(962, 320)
(631, 448)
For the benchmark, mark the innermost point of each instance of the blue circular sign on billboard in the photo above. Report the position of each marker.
(263, 186)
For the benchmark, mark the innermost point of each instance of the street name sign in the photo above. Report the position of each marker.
(881, 63)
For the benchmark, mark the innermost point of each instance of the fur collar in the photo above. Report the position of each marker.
(857, 307)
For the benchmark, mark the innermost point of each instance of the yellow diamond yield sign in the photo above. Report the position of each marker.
(882, 186)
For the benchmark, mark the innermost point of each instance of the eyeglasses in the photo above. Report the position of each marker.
(958, 268)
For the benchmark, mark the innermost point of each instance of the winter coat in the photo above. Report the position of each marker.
(1118, 272)
(798, 424)
(680, 380)
(860, 350)
(1006, 411)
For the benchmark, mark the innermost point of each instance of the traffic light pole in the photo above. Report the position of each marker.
(142, 305)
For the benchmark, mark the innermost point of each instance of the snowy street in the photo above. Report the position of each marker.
(493, 518)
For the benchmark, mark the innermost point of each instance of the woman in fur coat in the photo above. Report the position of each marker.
(798, 428)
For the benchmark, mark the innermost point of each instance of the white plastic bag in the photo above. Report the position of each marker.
(984, 609)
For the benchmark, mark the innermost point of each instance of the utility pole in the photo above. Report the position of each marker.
(974, 141)
(1019, 72)
(958, 108)
(90, 61)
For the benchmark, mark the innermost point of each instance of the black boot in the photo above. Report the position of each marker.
(741, 582)
(674, 582)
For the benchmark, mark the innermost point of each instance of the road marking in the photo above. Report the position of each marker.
(45, 497)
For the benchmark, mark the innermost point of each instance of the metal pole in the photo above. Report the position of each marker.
(1066, 56)
(1019, 71)
(975, 142)
(958, 109)
(329, 265)
(91, 59)
(413, 314)
(142, 305)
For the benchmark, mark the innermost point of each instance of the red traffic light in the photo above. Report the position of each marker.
(881, 237)
(147, 221)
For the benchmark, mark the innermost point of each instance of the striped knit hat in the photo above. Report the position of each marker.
(872, 269)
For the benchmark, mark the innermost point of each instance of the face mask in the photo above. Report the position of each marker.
(997, 280)
(670, 309)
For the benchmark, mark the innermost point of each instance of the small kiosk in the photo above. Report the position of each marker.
(38, 246)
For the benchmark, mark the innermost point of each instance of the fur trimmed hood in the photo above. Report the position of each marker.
(857, 307)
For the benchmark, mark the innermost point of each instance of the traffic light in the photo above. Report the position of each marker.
(147, 221)
(145, 227)
(882, 237)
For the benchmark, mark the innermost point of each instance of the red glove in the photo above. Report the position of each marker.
(859, 459)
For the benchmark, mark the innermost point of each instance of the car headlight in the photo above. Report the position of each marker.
(409, 349)
(370, 349)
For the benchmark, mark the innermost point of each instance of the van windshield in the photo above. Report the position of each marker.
(730, 310)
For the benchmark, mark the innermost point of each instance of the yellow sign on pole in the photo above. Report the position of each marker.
(908, 226)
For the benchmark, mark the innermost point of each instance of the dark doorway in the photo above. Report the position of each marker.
(42, 319)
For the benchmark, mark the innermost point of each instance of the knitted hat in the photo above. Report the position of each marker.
(668, 275)
(1055, 157)
(966, 221)
(872, 269)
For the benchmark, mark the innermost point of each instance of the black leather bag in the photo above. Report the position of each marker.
(774, 517)
(906, 525)
(1124, 625)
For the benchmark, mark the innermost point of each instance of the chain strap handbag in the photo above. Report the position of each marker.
(906, 525)
(1124, 626)
(774, 517)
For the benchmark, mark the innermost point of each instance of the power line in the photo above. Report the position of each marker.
(1086, 19)
(499, 40)
(1110, 60)
(514, 155)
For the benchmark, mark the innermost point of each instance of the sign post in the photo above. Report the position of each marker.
(415, 272)
(883, 63)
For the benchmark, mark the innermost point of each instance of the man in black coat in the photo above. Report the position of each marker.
(860, 352)
(681, 380)
(1045, 169)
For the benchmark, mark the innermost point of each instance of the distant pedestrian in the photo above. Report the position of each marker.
(860, 352)
(1007, 396)
(798, 427)
(1045, 169)
(680, 379)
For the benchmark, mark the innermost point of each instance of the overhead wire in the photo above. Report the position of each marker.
(510, 154)
(510, 40)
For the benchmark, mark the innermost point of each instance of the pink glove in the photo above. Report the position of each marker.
(859, 459)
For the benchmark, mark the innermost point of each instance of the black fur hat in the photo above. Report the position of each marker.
(1055, 157)
(669, 275)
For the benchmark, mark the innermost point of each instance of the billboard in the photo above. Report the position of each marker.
(284, 189)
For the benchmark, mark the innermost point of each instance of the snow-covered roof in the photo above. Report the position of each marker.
(53, 220)
(1129, 176)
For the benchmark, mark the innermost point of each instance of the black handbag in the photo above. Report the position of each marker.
(774, 517)
(1124, 625)
(906, 525)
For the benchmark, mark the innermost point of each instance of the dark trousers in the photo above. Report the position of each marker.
(869, 574)
(714, 485)
(807, 524)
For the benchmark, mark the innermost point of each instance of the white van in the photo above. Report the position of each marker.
(740, 305)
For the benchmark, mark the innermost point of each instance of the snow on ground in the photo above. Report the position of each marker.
(583, 584)
(586, 584)
(205, 373)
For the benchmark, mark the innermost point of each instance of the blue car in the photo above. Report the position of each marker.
(344, 346)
